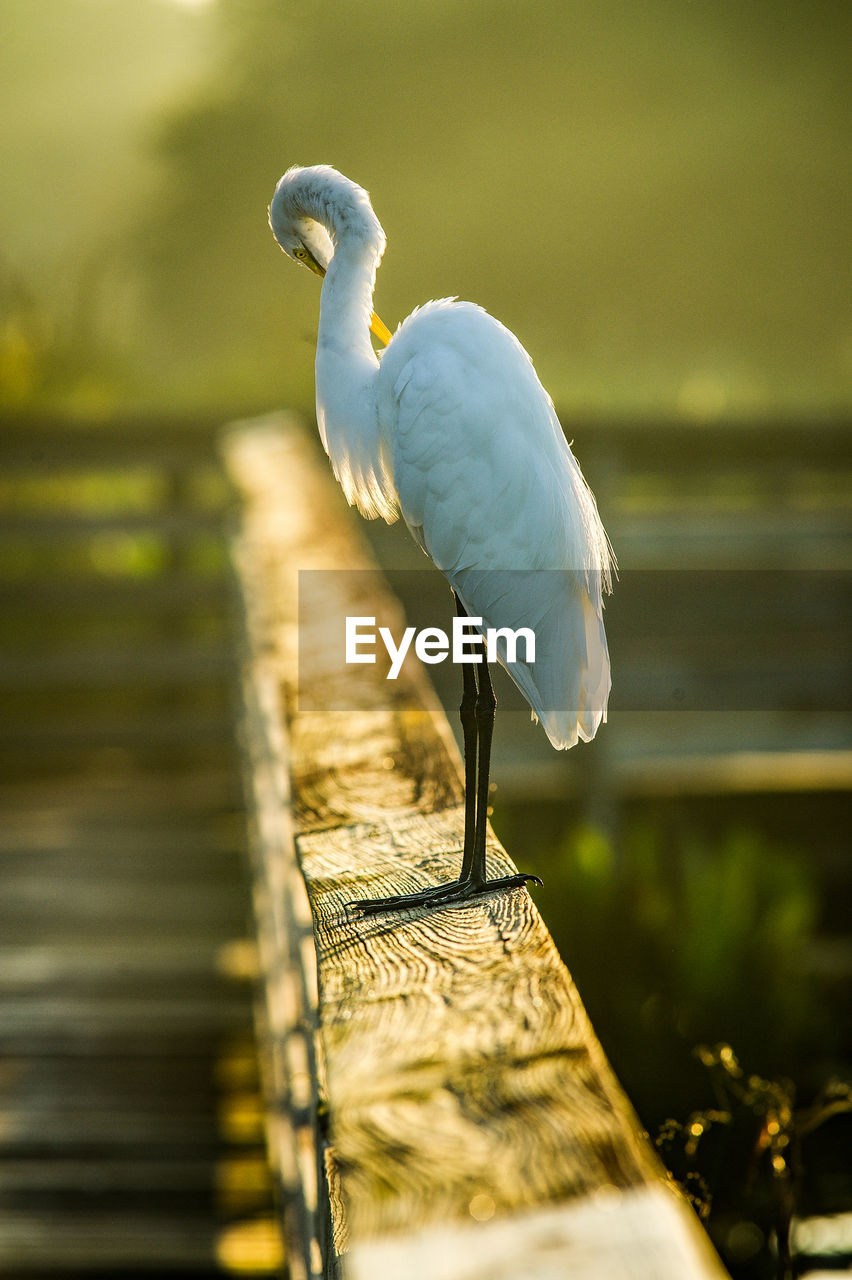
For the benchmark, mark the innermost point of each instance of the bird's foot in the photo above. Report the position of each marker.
(452, 894)
(401, 900)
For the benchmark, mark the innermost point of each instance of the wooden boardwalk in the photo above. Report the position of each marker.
(442, 1106)
(131, 1133)
(130, 1120)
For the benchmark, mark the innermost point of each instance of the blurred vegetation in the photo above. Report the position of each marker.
(746, 1163)
(81, 83)
(652, 197)
(677, 938)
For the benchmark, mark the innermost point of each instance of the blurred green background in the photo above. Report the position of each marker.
(654, 197)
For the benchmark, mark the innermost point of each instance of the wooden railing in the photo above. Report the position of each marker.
(434, 1086)
(438, 1103)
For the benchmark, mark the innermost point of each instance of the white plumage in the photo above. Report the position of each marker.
(487, 484)
(452, 429)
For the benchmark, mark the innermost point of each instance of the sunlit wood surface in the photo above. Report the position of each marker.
(439, 1104)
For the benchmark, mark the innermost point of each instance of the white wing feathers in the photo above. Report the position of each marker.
(488, 485)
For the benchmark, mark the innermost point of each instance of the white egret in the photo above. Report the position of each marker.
(452, 429)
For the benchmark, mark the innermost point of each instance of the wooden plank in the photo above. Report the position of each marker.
(118, 963)
(42, 443)
(167, 593)
(653, 753)
(61, 735)
(692, 771)
(88, 1104)
(96, 906)
(136, 1175)
(778, 449)
(171, 524)
(116, 796)
(134, 664)
(467, 1098)
(93, 1243)
(762, 539)
(187, 844)
(39, 445)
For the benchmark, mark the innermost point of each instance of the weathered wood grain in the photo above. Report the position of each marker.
(454, 1092)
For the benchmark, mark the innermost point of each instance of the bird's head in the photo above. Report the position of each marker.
(302, 238)
(312, 205)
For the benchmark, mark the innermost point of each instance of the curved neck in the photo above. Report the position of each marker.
(347, 370)
(346, 304)
(322, 195)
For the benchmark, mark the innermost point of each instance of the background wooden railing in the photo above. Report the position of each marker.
(729, 625)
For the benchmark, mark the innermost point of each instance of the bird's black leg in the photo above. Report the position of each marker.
(477, 880)
(486, 707)
(476, 712)
(468, 714)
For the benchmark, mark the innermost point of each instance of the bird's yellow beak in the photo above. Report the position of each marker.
(380, 329)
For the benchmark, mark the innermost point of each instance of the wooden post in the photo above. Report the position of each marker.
(439, 1105)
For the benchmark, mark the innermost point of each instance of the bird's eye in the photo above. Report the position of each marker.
(301, 253)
